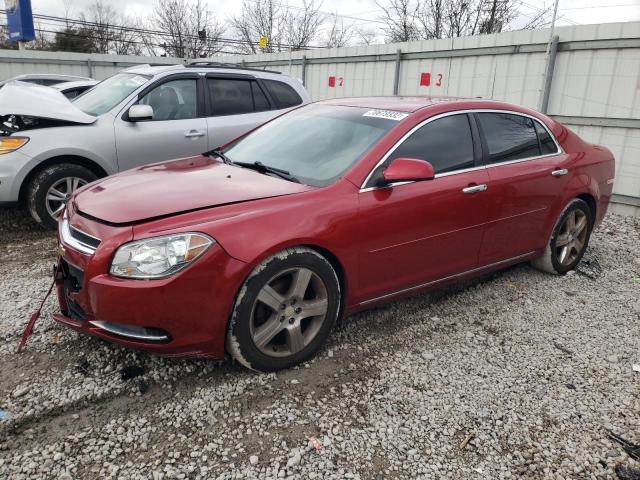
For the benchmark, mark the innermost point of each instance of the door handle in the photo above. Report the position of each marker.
(560, 172)
(475, 188)
(194, 133)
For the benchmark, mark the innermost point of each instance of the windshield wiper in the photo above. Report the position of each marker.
(220, 154)
(262, 168)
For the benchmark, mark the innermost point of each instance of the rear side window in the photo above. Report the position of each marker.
(230, 96)
(284, 95)
(260, 102)
(509, 137)
(446, 143)
(547, 145)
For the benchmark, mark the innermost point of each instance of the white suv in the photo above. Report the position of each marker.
(49, 146)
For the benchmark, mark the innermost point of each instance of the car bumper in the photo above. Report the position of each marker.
(12, 167)
(184, 315)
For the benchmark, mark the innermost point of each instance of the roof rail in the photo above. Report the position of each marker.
(238, 66)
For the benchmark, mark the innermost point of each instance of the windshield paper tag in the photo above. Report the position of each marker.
(386, 114)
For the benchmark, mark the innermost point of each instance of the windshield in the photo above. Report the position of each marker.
(109, 93)
(315, 144)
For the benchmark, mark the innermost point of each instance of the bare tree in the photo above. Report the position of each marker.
(400, 20)
(258, 19)
(42, 40)
(425, 19)
(303, 25)
(462, 17)
(110, 31)
(190, 30)
(365, 36)
(338, 34)
(284, 27)
(431, 17)
(497, 14)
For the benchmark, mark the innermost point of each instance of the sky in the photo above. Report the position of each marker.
(366, 14)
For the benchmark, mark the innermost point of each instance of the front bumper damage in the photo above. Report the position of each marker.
(184, 315)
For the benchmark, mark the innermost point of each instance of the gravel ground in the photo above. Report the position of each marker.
(515, 375)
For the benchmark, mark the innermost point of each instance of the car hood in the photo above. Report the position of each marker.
(179, 186)
(31, 100)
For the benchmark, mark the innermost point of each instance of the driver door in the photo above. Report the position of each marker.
(178, 128)
(414, 234)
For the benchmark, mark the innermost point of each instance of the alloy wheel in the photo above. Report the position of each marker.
(572, 237)
(59, 193)
(289, 312)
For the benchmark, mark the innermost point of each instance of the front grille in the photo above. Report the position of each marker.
(76, 239)
(72, 278)
(84, 238)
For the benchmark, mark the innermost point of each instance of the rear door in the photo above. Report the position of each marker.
(422, 232)
(526, 175)
(178, 128)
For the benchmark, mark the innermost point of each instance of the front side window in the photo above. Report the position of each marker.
(509, 136)
(446, 143)
(316, 144)
(173, 100)
(109, 93)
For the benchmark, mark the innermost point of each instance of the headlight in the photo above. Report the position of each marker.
(159, 256)
(10, 144)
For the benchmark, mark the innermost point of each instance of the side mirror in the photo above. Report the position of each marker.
(138, 113)
(408, 170)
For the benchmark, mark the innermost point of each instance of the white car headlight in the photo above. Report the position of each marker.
(158, 257)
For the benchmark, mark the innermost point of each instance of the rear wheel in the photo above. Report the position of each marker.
(284, 311)
(569, 239)
(51, 188)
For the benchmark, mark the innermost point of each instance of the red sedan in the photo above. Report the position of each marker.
(257, 248)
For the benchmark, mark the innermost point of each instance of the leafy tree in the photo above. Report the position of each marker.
(73, 40)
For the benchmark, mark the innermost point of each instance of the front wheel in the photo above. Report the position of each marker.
(284, 310)
(51, 188)
(569, 239)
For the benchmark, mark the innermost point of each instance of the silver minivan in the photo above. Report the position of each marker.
(50, 146)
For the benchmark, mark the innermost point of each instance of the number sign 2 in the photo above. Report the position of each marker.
(333, 81)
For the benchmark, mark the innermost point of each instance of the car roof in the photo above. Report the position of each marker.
(74, 84)
(197, 66)
(50, 76)
(411, 104)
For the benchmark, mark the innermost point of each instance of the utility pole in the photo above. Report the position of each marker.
(550, 61)
(553, 26)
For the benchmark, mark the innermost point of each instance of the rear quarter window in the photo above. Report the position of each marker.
(284, 95)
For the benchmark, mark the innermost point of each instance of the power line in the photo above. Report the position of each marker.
(146, 31)
(617, 5)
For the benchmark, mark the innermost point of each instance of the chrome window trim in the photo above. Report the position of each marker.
(70, 241)
(559, 150)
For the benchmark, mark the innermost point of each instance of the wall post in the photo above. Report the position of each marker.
(548, 74)
(396, 77)
(304, 70)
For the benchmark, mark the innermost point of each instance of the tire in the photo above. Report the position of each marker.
(554, 260)
(42, 208)
(272, 326)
